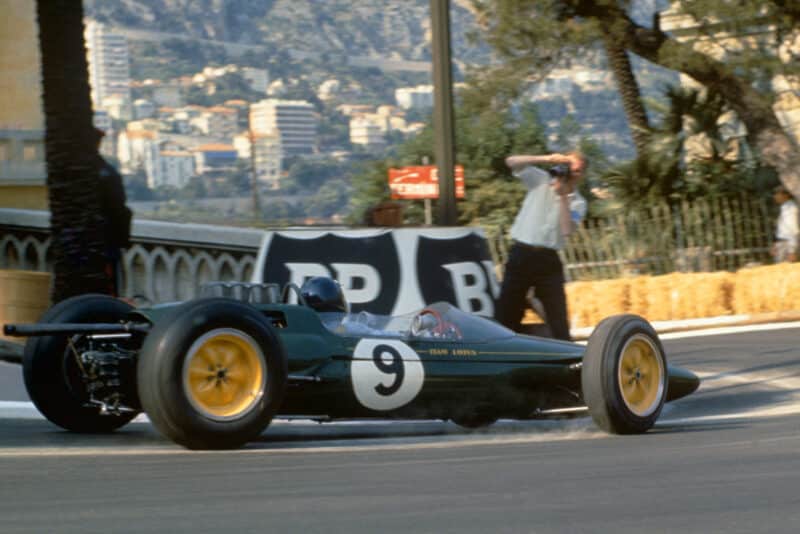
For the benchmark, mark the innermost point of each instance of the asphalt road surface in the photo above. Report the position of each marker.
(726, 459)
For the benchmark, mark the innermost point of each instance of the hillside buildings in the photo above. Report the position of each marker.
(294, 122)
(215, 158)
(174, 167)
(419, 97)
(367, 132)
(266, 158)
(109, 67)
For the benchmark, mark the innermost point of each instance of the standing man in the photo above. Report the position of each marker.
(549, 213)
(116, 218)
(787, 231)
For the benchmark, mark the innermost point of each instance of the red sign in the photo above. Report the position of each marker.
(421, 182)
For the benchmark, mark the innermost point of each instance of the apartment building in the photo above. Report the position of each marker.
(294, 121)
(217, 121)
(137, 149)
(419, 97)
(175, 166)
(109, 65)
(214, 158)
(366, 132)
(267, 157)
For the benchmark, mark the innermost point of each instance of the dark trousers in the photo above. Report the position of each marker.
(540, 268)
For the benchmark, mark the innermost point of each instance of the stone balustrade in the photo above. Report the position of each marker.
(166, 261)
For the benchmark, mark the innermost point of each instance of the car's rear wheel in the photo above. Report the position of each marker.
(624, 376)
(52, 371)
(473, 416)
(212, 375)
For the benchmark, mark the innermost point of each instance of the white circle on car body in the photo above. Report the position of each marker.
(386, 374)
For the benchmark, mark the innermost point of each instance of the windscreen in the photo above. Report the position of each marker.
(440, 321)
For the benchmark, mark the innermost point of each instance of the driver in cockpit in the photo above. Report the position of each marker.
(325, 295)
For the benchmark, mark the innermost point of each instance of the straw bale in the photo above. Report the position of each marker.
(771, 288)
(681, 295)
(590, 302)
(661, 295)
(698, 295)
(638, 301)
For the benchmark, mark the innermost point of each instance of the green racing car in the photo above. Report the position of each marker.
(212, 373)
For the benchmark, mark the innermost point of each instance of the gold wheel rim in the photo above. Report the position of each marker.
(641, 375)
(224, 374)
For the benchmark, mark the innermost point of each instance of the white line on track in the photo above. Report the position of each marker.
(724, 330)
(330, 448)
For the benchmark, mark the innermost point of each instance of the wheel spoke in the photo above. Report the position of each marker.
(227, 394)
(209, 354)
(236, 375)
(199, 367)
(206, 392)
(628, 387)
(636, 355)
(230, 355)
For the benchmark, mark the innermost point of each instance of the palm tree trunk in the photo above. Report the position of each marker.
(71, 152)
(628, 89)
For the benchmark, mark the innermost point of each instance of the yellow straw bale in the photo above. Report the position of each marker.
(675, 296)
(638, 288)
(589, 302)
(654, 298)
(702, 295)
(771, 288)
(681, 296)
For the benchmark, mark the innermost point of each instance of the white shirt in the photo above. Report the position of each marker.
(787, 227)
(537, 222)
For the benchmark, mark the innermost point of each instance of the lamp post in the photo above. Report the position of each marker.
(253, 171)
(444, 148)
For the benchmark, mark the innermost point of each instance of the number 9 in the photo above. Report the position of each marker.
(395, 368)
(386, 374)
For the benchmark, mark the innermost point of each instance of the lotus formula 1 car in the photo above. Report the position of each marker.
(212, 373)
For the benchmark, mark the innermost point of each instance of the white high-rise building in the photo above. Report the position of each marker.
(109, 67)
(419, 97)
(267, 157)
(367, 132)
(293, 120)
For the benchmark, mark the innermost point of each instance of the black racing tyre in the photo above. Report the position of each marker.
(51, 372)
(624, 376)
(212, 374)
(474, 423)
(473, 417)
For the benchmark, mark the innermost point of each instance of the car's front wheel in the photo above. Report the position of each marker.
(212, 375)
(624, 375)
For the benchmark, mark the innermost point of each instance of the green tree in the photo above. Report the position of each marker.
(740, 78)
(721, 164)
(309, 175)
(487, 131)
(330, 199)
(534, 36)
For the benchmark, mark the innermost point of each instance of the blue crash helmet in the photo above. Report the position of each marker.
(324, 294)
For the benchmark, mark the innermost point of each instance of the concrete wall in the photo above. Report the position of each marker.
(22, 168)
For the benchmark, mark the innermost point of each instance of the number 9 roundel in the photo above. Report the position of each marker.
(386, 374)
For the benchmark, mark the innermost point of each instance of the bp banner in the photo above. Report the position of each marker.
(387, 271)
